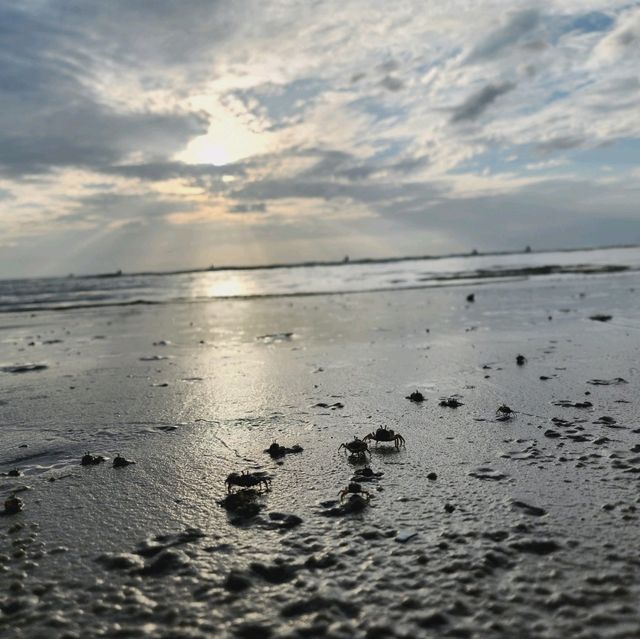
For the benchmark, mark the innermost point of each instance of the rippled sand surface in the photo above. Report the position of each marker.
(479, 527)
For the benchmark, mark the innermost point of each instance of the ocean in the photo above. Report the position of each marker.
(61, 293)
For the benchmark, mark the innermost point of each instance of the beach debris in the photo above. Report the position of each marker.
(246, 479)
(521, 360)
(354, 488)
(527, 509)
(331, 406)
(121, 462)
(608, 382)
(450, 402)
(91, 460)
(13, 505)
(384, 434)
(276, 450)
(14, 472)
(162, 342)
(416, 396)
(153, 358)
(432, 476)
(358, 448)
(471, 297)
(243, 504)
(23, 368)
(600, 317)
(485, 472)
(565, 403)
(275, 337)
(402, 536)
(449, 508)
(504, 413)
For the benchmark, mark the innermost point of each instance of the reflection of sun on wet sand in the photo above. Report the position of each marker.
(467, 511)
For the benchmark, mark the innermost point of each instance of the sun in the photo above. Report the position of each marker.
(205, 151)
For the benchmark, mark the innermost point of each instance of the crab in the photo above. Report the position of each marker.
(450, 402)
(385, 434)
(416, 396)
(357, 448)
(504, 412)
(120, 462)
(246, 479)
(276, 450)
(354, 489)
(91, 460)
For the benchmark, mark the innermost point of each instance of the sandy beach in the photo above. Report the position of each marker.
(478, 527)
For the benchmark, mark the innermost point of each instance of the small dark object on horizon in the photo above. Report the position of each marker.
(91, 460)
(450, 402)
(600, 317)
(521, 360)
(121, 462)
(416, 396)
(471, 297)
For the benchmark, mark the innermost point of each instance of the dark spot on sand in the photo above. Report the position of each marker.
(276, 573)
(451, 402)
(521, 360)
(416, 396)
(565, 403)
(608, 382)
(528, 509)
(471, 297)
(23, 368)
(599, 317)
(536, 546)
(331, 406)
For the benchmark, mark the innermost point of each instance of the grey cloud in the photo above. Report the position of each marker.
(51, 118)
(478, 102)
(518, 25)
(391, 83)
(563, 143)
(160, 171)
(256, 207)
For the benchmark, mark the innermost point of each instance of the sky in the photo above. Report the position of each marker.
(158, 135)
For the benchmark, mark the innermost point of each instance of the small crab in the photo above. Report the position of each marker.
(354, 488)
(91, 460)
(416, 396)
(450, 402)
(246, 479)
(120, 462)
(276, 450)
(385, 434)
(504, 413)
(357, 448)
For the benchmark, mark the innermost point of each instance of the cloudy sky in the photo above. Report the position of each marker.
(156, 134)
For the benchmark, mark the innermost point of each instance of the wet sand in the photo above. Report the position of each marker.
(529, 527)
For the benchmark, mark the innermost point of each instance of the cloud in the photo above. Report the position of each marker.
(256, 207)
(517, 26)
(479, 101)
(623, 40)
